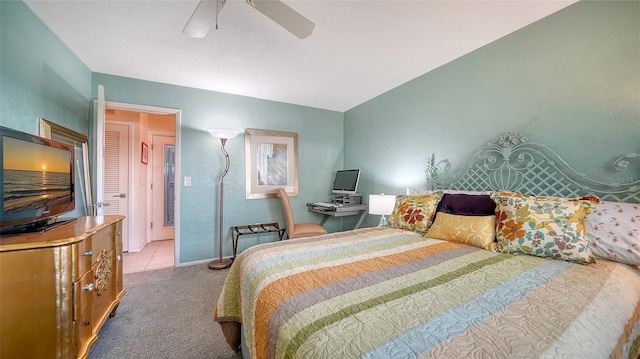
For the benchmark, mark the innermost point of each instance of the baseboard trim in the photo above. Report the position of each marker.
(203, 261)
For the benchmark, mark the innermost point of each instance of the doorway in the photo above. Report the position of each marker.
(146, 129)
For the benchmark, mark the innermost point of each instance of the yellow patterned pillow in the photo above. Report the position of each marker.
(544, 226)
(478, 231)
(415, 213)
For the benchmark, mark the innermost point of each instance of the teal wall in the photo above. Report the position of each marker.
(39, 75)
(570, 80)
(320, 153)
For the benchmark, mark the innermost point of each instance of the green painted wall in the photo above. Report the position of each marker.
(570, 80)
(39, 75)
(320, 153)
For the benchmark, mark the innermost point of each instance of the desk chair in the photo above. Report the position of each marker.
(297, 230)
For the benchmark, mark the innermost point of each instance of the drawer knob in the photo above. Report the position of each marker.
(119, 233)
(87, 323)
(89, 253)
(89, 287)
(118, 257)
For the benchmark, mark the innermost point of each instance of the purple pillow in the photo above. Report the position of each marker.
(467, 205)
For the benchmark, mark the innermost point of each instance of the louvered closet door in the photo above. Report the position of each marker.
(116, 175)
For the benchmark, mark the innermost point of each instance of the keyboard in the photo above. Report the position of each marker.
(324, 204)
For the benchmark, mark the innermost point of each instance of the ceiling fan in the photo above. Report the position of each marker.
(207, 12)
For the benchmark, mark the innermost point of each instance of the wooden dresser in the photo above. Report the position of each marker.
(59, 287)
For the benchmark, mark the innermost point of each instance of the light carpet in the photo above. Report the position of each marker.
(166, 313)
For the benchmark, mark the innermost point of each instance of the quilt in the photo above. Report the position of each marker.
(391, 293)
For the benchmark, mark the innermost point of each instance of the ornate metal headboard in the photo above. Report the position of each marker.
(509, 163)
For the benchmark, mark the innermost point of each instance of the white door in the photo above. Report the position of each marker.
(162, 187)
(116, 175)
(99, 114)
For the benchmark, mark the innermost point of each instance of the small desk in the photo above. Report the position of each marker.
(340, 211)
(258, 228)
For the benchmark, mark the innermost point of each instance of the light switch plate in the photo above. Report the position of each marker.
(187, 181)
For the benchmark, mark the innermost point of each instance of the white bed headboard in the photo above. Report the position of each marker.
(510, 163)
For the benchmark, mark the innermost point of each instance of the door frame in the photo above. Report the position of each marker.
(177, 113)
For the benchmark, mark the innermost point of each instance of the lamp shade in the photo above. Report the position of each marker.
(226, 134)
(381, 204)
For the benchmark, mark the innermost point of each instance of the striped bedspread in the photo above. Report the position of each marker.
(388, 293)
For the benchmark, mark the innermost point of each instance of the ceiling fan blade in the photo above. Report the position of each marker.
(202, 18)
(284, 16)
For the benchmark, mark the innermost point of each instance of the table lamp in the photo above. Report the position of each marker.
(383, 205)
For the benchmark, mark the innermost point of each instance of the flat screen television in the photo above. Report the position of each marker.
(346, 182)
(37, 181)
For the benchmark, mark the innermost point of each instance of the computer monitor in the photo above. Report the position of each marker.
(346, 182)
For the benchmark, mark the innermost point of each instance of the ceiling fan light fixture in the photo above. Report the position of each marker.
(207, 12)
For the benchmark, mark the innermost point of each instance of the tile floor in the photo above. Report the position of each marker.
(155, 255)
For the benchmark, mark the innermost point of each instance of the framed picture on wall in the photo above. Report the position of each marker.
(271, 162)
(144, 154)
(51, 130)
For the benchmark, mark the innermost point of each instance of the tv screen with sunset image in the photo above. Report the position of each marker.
(35, 177)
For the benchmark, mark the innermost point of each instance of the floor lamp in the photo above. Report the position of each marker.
(223, 135)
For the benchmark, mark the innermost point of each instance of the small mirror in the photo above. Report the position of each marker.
(84, 201)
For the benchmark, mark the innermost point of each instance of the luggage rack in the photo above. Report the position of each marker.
(256, 228)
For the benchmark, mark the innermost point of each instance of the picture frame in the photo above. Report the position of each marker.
(271, 161)
(144, 153)
(80, 142)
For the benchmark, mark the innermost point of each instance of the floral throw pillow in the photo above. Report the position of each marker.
(415, 213)
(551, 227)
(613, 230)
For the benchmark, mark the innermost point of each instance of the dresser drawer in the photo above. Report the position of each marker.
(83, 258)
(87, 251)
(104, 240)
(84, 290)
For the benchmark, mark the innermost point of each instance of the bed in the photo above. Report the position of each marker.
(473, 265)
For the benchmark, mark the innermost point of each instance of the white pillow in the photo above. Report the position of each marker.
(613, 231)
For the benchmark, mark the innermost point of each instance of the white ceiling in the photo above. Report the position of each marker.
(358, 50)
